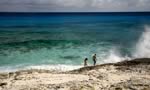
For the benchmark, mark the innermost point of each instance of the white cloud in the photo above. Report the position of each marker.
(74, 5)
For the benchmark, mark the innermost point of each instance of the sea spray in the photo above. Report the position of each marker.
(142, 49)
(114, 55)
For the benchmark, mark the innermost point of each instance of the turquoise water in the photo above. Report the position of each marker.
(52, 40)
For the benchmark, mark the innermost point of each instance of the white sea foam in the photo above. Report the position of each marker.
(54, 67)
(143, 46)
(43, 67)
(7, 69)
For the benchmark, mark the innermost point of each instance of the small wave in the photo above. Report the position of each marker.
(26, 46)
(43, 67)
(51, 42)
(70, 57)
(8, 69)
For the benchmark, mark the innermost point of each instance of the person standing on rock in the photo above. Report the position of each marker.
(94, 59)
(85, 62)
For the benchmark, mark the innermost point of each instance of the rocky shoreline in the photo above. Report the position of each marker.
(126, 75)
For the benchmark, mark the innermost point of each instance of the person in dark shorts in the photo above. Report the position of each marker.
(94, 59)
(85, 61)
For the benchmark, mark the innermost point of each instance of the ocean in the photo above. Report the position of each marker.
(61, 41)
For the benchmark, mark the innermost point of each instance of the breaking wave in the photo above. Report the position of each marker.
(142, 49)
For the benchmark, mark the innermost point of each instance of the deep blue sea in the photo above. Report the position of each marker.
(63, 40)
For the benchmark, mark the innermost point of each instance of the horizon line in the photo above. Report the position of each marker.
(77, 12)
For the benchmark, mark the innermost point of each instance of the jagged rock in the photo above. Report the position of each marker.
(3, 84)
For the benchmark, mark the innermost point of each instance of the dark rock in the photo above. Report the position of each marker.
(3, 84)
(138, 61)
(118, 88)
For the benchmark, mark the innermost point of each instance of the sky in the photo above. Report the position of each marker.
(73, 5)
